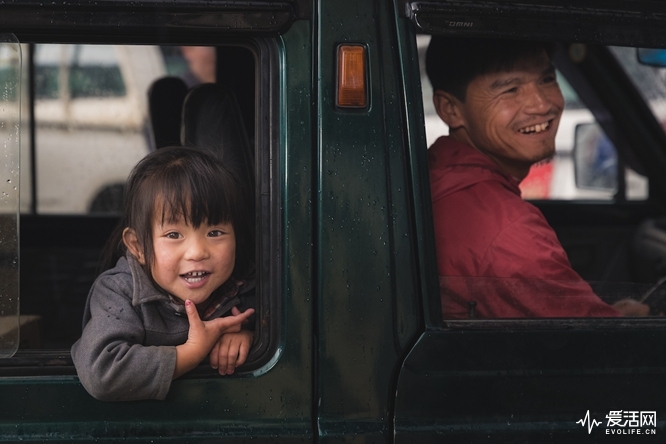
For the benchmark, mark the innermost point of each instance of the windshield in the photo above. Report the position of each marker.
(649, 80)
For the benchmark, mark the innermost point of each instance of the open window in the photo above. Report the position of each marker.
(601, 192)
(91, 111)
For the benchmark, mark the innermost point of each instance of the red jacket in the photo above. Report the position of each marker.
(494, 248)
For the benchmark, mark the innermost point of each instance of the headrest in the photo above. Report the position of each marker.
(165, 102)
(212, 121)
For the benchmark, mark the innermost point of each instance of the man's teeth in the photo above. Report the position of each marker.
(534, 128)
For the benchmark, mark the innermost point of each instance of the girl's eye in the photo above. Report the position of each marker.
(215, 233)
(173, 235)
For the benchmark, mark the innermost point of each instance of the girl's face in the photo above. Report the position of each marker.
(190, 263)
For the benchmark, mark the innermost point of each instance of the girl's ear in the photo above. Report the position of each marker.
(133, 246)
(448, 109)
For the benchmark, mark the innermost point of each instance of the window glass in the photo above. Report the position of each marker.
(651, 83)
(10, 65)
(649, 80)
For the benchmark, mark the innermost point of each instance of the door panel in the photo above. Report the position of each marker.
(527, 385)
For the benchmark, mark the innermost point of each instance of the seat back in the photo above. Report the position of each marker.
(212, 121)
(165, 104)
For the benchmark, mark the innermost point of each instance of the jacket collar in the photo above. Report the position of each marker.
(144, 288)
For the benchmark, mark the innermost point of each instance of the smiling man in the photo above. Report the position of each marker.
(497, 255)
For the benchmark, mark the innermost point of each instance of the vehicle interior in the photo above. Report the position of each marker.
(81, 136)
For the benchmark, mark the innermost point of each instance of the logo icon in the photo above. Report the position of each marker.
(591, 423)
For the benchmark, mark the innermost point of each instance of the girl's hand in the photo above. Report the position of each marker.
(202, 337)
(230, 351)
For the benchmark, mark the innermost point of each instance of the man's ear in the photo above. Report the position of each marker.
(449, 108)
(132, 244)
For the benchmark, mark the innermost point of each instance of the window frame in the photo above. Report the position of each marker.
(268, 236)
(434, 319)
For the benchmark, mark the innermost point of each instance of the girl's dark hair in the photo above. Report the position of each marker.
(191, 184)
(453, 62)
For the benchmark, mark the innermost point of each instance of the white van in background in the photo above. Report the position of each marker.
(91, 100)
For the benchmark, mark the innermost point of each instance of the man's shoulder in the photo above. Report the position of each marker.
(456, 167)
(446, 152)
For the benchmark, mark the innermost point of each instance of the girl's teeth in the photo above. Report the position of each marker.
(195, 276)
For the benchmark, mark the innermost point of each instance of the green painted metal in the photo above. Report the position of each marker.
(275, 400)
(365, 249)
(408, 62)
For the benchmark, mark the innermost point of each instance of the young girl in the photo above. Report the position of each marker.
(157, 313)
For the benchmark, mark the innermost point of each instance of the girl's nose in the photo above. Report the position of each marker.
(196, 250)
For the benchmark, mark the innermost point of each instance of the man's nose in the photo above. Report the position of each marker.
(197, 249)
(536, 100)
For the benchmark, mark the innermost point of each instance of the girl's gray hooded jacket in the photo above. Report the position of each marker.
(130, 331)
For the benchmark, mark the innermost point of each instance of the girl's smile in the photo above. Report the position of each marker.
(195, 277)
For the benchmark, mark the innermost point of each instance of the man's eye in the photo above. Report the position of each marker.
(549, 79)
(511, 90)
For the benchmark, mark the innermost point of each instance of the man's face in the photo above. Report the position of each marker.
(513, 116)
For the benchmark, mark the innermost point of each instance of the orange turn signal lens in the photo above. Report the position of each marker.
(352, 92)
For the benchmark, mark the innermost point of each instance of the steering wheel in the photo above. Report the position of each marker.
(654, 299)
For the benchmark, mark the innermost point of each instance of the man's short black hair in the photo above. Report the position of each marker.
(453, 62)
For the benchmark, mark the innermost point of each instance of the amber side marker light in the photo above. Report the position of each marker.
(352, 92)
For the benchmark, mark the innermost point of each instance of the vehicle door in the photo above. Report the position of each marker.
(547, 380)
(367, 311)
(86, 74)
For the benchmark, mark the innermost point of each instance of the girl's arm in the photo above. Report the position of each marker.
(203, 335)
(110, 359)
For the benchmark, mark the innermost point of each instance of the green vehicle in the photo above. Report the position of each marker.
(350, 344)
